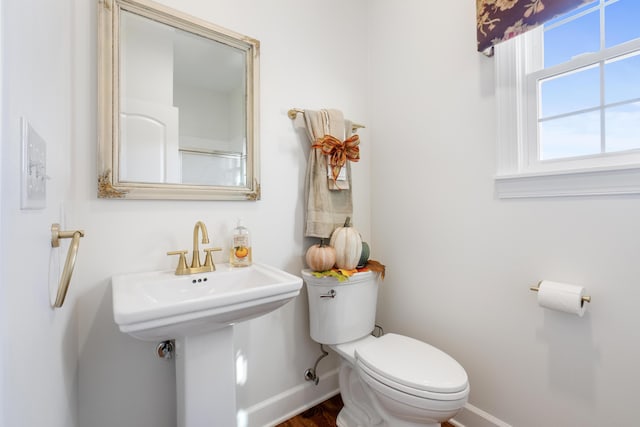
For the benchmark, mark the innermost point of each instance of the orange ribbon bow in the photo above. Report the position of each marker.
(339, 151)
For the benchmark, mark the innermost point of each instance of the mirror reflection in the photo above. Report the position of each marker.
(178, 101)
(182, 115)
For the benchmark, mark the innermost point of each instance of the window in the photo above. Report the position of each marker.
(569, 104)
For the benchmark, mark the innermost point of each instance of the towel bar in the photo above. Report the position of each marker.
(293, 113)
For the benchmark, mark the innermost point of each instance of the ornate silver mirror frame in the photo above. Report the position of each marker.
(112, 181)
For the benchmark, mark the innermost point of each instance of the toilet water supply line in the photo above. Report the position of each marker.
(166, 349)
(311, 375)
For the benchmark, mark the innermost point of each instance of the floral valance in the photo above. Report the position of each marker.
(499, 20)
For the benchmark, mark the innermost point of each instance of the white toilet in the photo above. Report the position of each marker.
(390, 381)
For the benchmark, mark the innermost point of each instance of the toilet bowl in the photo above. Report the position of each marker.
(389, 381)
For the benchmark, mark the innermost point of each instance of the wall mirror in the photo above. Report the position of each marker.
(177, 103)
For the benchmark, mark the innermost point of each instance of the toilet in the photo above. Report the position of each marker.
(386, 381)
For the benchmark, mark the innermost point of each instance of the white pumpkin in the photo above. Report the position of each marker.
(348, 245)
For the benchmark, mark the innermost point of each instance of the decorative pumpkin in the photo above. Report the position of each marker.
(321, 257)
(348, 245)
(364, 256)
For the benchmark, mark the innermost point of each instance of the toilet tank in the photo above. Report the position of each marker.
(340, 312)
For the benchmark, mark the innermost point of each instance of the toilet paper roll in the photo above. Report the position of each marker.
(563, 297)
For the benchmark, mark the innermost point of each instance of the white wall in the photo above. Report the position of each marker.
(3, 293)
(205, 114)
(39, 350)
(146, 59)
(460, 262)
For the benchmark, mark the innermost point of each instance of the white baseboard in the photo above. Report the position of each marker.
(292, 402)
(298, 399)
(472, 416)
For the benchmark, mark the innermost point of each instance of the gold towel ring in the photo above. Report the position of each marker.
(56, 235)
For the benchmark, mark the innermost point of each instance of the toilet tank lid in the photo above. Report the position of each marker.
(413, 363)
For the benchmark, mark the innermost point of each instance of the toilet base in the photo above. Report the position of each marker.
(361, 408)
(345, 419)
(358, 410)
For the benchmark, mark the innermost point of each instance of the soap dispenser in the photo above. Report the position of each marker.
(240, 253)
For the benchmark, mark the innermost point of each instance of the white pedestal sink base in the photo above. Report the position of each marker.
(206, 379)
(199, 310)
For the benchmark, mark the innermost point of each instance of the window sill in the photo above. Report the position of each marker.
(583, 182)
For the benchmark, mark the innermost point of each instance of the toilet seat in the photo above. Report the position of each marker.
(412, 367)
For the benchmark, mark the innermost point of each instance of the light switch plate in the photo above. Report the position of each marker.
(34, 168)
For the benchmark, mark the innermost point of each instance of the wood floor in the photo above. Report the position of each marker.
(322, 415)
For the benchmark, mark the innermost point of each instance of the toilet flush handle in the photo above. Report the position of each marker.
(330, 294)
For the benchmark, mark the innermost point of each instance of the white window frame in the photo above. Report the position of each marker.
(519, 173)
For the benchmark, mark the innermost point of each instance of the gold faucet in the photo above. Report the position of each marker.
(199, 227)
(196, 267)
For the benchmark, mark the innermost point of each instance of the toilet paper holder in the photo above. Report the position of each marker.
(536, 288)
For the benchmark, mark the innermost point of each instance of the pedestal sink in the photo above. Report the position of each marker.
(198, 311)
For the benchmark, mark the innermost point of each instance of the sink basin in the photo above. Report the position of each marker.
(161, 305)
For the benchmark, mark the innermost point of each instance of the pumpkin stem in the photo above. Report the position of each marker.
(347, 222)
(322, 245)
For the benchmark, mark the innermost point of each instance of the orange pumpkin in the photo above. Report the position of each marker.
(321, 257)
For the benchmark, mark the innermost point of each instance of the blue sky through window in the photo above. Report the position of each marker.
(598, 25)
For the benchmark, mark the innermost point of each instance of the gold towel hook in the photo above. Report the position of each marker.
(70, 262)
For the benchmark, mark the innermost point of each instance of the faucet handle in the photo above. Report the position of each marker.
(182, 262)
(208, 260)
